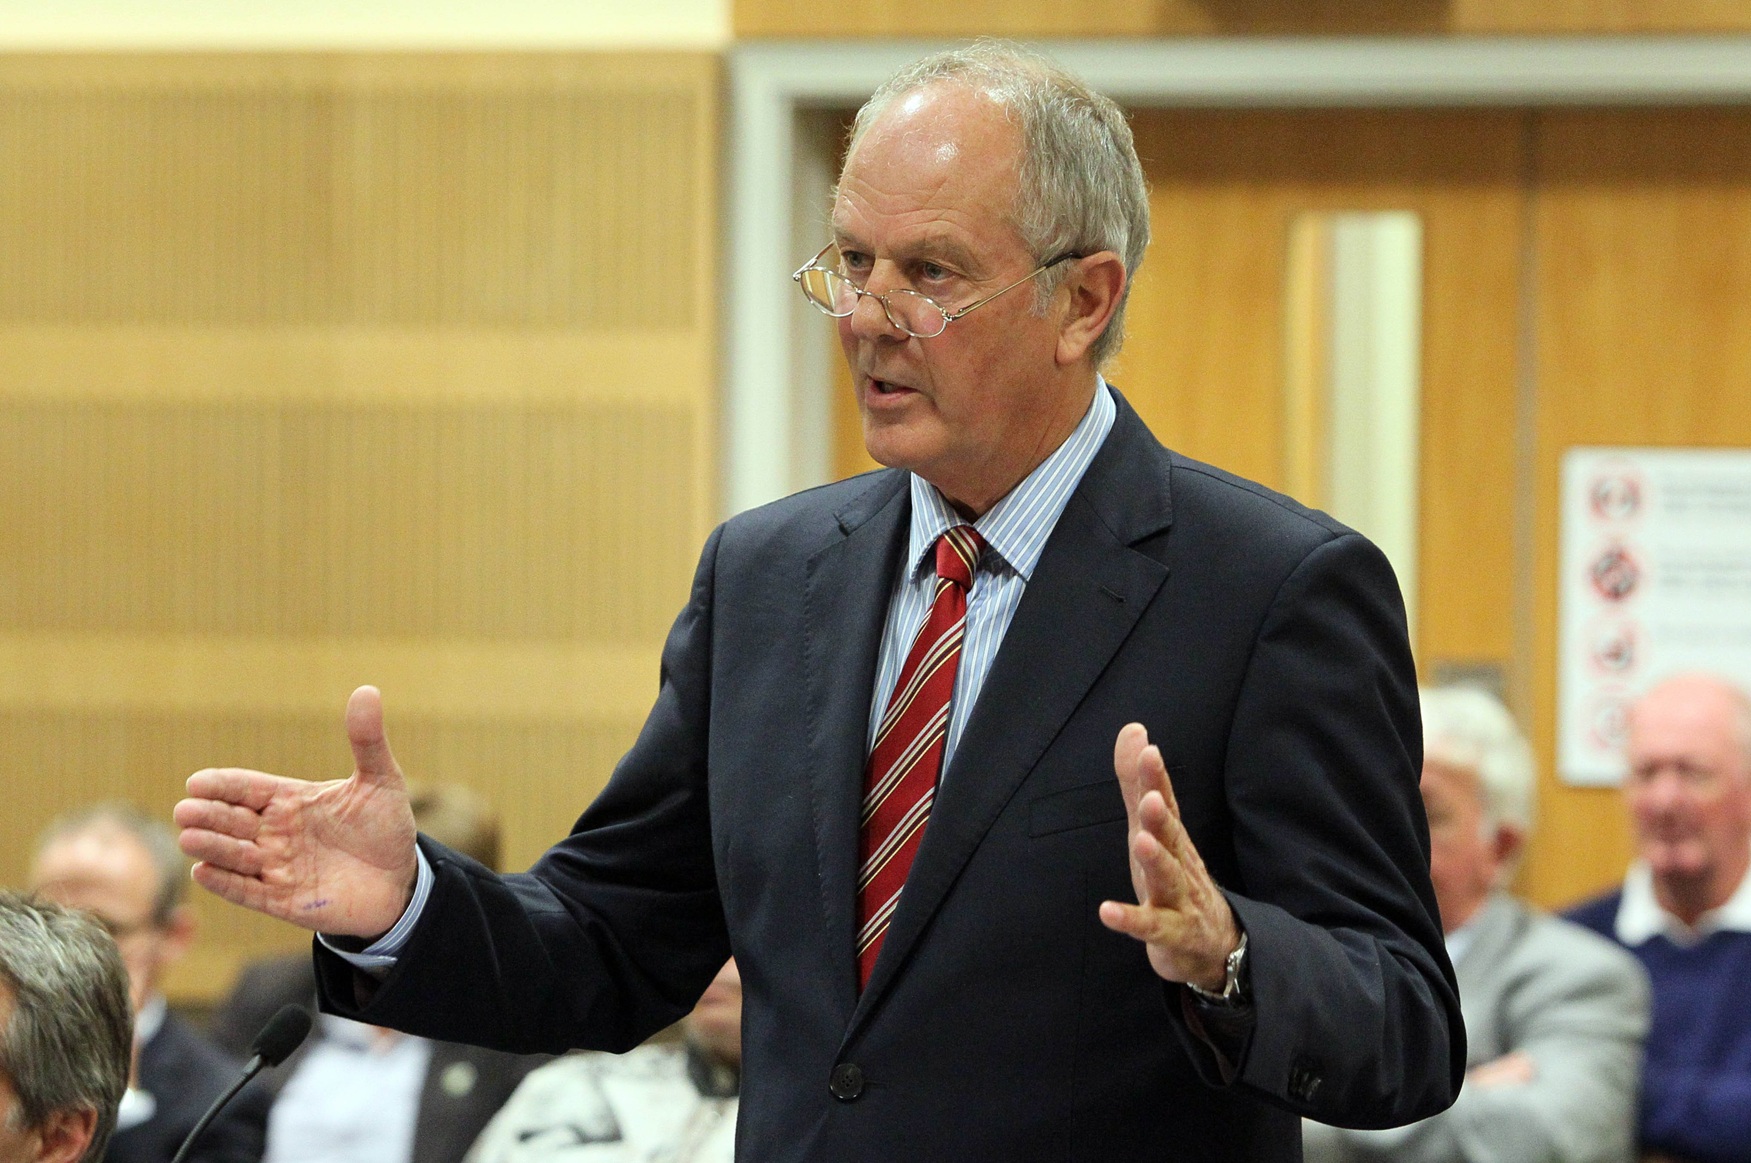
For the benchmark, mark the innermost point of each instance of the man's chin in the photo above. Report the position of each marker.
(893, 445)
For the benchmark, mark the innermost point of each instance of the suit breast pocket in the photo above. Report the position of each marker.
(1077, 807)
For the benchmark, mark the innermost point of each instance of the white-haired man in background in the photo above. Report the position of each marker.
(1554, 1015)
(1685, 912)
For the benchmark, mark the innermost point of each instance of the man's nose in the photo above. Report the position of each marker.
(870, 318)
(1666, 791)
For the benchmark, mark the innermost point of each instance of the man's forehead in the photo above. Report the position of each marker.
(1681, 711)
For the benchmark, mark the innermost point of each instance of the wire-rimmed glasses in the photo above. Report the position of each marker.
(833, 293)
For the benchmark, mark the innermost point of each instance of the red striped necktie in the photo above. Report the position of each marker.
(900, 780)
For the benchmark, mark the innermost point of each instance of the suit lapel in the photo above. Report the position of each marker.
(845, 603)
(1082, 601)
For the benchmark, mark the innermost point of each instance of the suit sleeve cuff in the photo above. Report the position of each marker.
(378, 958)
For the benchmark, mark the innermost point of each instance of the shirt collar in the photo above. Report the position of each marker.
(1640, 917)
(1460, 939)
(1016, 527)
(150, 1019)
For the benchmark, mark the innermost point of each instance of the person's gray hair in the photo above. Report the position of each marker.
(1079, 187)
(1469, 728)
(69, 1040)
(155, 836)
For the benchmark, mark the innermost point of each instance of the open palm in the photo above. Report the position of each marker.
(336, 857)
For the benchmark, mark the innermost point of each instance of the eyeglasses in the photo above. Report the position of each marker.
(832, 293)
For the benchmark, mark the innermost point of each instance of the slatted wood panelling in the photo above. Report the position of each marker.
(1643, 318)
(1206, 358)
(319, 370)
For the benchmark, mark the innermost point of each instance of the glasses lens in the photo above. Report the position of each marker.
(828, 291)
(916, 314)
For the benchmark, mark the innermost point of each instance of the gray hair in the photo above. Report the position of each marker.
(69, 1040)
(152, 834)
(1469, 728)
(1079, 186)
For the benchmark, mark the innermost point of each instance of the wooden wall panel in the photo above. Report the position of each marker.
(1042, 18)
(325, 519)
(327, 369)
(1643, 318)
(1205, 359)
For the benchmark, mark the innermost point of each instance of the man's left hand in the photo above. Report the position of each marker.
(1180, 914)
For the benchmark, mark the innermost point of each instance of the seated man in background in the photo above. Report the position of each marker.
(1554, 1016)
(660, 1103)
(125, 869)
(66, 1034)
(361, 1093)
(1685, 911)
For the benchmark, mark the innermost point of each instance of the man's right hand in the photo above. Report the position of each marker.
(337, 857)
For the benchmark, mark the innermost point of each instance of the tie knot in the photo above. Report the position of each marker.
(957, 555)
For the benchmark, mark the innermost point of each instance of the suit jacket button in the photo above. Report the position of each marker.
(846, 1082)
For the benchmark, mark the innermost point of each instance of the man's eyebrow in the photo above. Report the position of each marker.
(939, 247)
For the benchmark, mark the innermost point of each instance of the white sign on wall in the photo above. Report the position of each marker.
(1655, 579)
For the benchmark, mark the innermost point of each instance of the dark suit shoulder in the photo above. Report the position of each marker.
(817, 513)
(184, 1072)
(181, 1051)
(1598, 914)
(262, 988)
(1203, 492)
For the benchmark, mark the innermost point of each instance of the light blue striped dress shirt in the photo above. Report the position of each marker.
(1015, 532)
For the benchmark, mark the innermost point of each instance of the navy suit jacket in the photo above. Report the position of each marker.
(1264, 647)
(184, 1073)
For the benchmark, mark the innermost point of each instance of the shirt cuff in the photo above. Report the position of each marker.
(379, 956)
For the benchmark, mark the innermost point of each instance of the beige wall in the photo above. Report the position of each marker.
(364, 24)
(318, 370)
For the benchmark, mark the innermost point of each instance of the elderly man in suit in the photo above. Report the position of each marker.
(880, 769)
(123, 867)
(66, 1034)
(1554, 1015)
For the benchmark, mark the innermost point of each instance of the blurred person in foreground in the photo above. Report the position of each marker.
(354, 1093)
(661, 1103)
(1554, 1015)
(1684, 910)
(968, 677)
(124, 868)
(66, 1034)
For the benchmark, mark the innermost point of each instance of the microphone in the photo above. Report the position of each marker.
(284, 1033)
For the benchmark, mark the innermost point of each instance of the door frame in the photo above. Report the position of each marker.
(776, 415)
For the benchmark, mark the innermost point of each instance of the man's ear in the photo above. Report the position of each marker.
(1096, 286)
(1507, 843)
(64, 1135)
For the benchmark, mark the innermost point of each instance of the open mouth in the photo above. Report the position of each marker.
(886, 388)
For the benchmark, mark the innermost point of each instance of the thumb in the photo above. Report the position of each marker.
(371, 754)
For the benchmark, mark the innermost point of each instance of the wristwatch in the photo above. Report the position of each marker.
(1233, 990)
